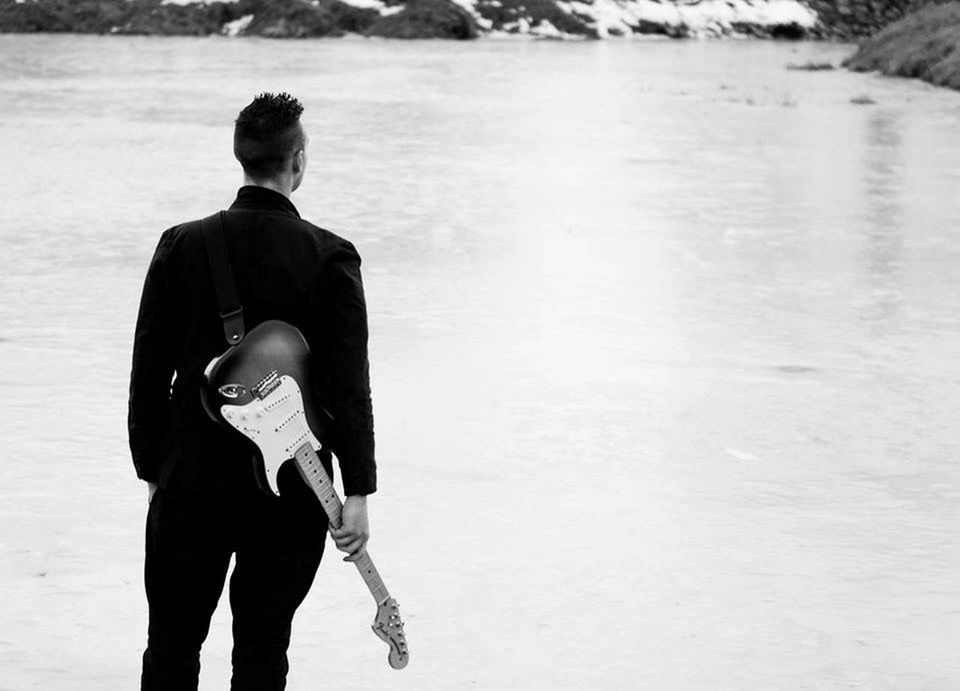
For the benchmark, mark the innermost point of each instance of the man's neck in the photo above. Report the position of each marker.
(284, 186)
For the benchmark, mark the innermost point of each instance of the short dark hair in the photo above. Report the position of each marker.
(267, 134)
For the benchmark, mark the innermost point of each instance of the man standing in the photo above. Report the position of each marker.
(204, 503)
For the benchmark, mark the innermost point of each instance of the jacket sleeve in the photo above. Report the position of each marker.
(344, 370)
(149, 411)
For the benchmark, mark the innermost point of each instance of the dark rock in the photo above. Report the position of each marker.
(507, 12)
(303, 19)
(650, 28)
(271, 18)
(792, 31)
(678, 30)
(155, 18)
(753, 30)
(86, 16)
(811, 66)
(426, 19)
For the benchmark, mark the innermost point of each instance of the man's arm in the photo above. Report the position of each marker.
(346, 390)
(345, 370)
(148, 413)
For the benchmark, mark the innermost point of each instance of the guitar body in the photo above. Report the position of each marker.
(232, 378)
(263, 388)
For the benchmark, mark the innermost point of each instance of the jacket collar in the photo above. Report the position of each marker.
(263, 199)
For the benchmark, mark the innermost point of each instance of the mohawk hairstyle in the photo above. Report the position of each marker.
(267, 134)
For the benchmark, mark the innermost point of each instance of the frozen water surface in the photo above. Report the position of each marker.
(664, 350)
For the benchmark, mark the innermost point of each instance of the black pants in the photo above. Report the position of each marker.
(190, 538)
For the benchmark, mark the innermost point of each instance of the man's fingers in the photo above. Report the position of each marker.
(355, 555)
(350, 541)
(351, 546)
(355, 550)
(340, 533)
(343, 539)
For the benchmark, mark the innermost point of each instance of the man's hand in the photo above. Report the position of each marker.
(352, 535)
(151, 490)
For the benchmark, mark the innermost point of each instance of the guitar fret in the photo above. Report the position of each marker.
(320, 483)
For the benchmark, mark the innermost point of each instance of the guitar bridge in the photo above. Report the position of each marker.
(266, 386)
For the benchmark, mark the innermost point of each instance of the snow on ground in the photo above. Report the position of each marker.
(471, 7)
(365, 4)
(620, 17)
(237, 26)
(703, 18)
(547, 30)
(191, 2)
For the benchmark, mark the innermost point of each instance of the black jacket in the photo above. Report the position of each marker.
(284, 268)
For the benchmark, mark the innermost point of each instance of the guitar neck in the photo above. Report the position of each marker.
(311, 470)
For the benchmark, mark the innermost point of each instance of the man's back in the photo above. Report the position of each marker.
(284, 268)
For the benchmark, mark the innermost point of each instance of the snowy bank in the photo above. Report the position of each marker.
(606, 18)
(455, 19)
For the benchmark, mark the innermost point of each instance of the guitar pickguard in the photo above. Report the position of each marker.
(277, 424)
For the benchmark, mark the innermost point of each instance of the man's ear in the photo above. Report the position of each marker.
(299, 161)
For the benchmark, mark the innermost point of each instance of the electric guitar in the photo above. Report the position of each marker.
(263, 388)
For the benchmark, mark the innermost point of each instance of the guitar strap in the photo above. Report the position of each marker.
(231, 312)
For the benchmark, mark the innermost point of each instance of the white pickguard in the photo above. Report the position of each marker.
(276, 424)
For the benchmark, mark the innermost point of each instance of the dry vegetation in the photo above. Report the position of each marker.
(925, 45)
(811, 66)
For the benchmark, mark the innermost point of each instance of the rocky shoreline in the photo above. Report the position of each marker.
(456, 19)
(924, 45)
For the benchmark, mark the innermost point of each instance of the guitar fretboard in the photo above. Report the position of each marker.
(308, 463)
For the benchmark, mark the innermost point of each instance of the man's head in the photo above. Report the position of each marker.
(269, 141)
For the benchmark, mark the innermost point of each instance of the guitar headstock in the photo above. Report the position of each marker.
(389, 628)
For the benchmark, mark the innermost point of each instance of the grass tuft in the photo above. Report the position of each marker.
(812, 66)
